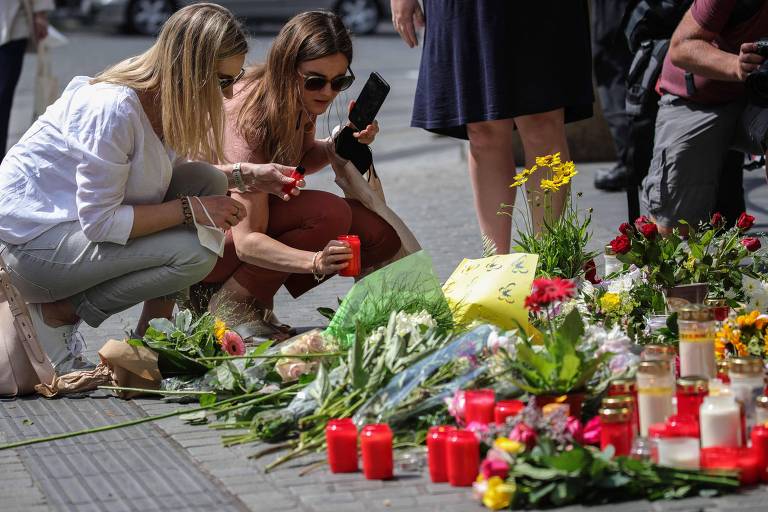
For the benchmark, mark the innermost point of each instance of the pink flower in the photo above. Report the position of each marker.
(478, 428)
(573, 426)
(233, 344)
(522, 433)
(456, 406)
(591, 433)
(494, 467)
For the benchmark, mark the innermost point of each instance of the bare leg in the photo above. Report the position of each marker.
(60, 313)
(492, 169)
(543, 134)
(154, 308)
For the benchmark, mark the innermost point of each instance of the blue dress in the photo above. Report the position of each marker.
(498, 59)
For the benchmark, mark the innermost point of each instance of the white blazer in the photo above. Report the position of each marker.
(13, 19)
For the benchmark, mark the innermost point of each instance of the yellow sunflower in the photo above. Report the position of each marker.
(549, 160)
(747, 320)
(550, 185)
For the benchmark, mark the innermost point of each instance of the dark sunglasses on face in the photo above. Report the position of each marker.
(227, 82)
(316, 82)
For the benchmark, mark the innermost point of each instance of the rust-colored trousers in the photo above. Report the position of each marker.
(307, 222)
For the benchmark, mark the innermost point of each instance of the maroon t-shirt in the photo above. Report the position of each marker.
(716, 16)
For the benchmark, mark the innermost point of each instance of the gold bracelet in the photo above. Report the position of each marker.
(318, 276)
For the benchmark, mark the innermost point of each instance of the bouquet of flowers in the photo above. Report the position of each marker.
(709, 254)
(745, 335)
(562, 238)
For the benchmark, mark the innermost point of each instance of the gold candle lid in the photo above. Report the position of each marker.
(609, 250)
(696, 313)
(722, 366)
(658, 350)
(618, 402)
(716, 303)
(624, 386)
(749, 365)
(654, 367)
(614, 415)
(762, 402)
(693, 384)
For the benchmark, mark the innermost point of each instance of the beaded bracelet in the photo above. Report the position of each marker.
(188, 219)
(237, 174)
(315, 272)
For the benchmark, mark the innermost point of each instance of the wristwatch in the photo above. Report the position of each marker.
(237, 174)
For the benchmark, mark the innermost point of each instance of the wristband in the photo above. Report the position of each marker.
(318, 276)
(237, 174)
(188, 219)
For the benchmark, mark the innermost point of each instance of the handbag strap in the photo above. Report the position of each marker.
(26, 331)
(29, 11)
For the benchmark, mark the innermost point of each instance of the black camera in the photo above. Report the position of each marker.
(757, 81)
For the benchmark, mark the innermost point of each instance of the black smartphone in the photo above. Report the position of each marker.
(369, 102)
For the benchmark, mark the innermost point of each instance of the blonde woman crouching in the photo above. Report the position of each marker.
(98, 206)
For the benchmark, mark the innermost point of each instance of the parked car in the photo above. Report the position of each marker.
(147, 16)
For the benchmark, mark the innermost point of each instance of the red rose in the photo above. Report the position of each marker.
(546, 291)
(590, 272)
(626, 228)
(752, 244)
(641, 221)
(621, 244)
(717, 220)
(745, 221)
(649, 230)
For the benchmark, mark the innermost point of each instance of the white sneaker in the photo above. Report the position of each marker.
(59, 343)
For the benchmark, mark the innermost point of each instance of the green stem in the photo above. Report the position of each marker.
(147, 419)
(316, 355)
(155, 391)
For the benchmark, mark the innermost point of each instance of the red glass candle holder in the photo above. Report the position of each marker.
(463, 453)
(341, 438)
(437, 439)
(479, 406)
(616, 429)
(354, 266)
(731, 458)
(376, 446)
(505, 409)
(296, 176)
(690, 395)
(760, 449)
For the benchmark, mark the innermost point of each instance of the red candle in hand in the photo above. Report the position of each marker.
(376, 445)
(479, 405)
(437, 438)
(506, 408)
(354, 266)
(760, 449)
(463, 452)
(296, 176)
(341, 438)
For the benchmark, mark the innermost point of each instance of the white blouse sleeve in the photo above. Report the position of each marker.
(101, 127)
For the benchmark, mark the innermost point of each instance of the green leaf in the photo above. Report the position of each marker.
(263, 347)
(225, 377)
(183, 320)
(573, 327)
(525, 469)
(541, 493)
(319, 391)
(207, 399)
(327, 312)
(162, 325)
(572, 461)
(570, 368)
(356, 370)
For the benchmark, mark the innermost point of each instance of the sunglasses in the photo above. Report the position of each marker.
(340, 83)
(228, 82)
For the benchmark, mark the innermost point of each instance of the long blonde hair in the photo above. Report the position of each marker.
(181, 68)
(268, 116)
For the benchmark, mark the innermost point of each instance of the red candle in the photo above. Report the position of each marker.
(354, 266)
(297, 175)
(341, 438)
(463, 452)
(690, 395)
(506, 408)
(732, 458)
(616, 429)
(437, 438)
(376, 445)
(479, 405)
(760, 449)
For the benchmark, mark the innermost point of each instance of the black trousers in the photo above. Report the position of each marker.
(11, 59)
(610, 61)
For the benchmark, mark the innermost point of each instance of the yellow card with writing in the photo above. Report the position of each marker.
(492, 290)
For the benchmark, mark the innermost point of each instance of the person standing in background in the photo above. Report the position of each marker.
(492, 66)
(611, 59)
(14, 35)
